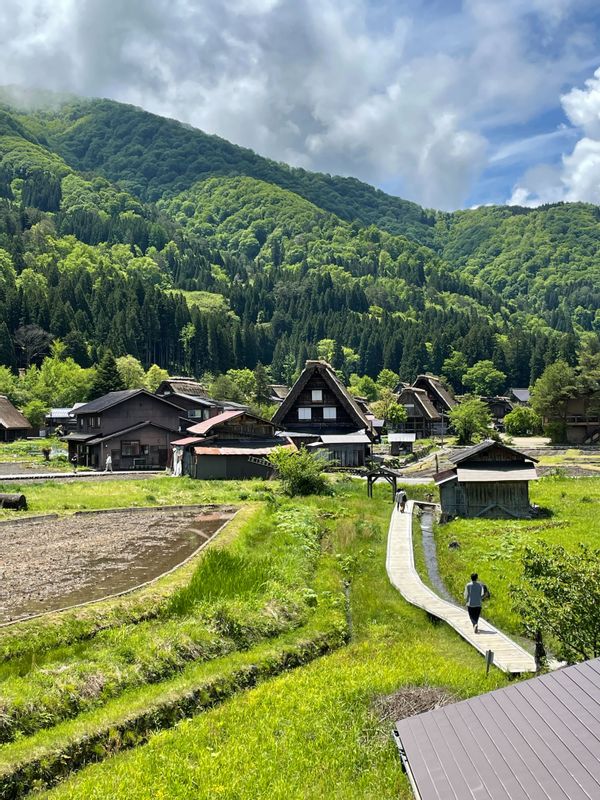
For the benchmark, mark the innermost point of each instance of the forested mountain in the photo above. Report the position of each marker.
(123, 230)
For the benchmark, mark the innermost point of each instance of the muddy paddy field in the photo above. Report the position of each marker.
(52, 562)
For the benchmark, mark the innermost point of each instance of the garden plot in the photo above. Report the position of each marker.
(52, 562)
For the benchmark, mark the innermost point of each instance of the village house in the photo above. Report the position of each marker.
(439, 396)
(519, 397)
(487, 480)
(13, 425)
(582, 420)
(422, 417)
(320, 412)
(60, 421)
(234, 445)
(191, 396)
(134, 427)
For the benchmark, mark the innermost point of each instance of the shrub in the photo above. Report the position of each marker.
(523, 421)
(300, 471)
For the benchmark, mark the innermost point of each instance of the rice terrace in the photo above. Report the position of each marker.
(273, 663)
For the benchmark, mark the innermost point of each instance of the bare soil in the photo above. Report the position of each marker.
(52, 562)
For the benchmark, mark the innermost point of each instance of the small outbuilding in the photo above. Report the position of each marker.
(487, 480)
(13, 425)
(401, 443)
(234, 445)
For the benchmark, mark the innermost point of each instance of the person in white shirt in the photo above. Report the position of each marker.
(475, 593)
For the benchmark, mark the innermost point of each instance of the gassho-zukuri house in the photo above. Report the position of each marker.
(321, 414)
(487, 480)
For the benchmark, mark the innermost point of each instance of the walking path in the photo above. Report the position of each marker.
(508, 656)
(26, 477)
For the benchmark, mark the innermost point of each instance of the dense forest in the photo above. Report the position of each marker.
(127, 232)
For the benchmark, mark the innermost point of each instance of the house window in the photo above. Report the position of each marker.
(330, 412)
(317, 395)
(130, 448)
(304, 413)
(95, 422)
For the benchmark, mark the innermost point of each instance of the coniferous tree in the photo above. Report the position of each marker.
(107, 377)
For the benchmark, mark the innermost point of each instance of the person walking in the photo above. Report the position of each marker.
(475, 593)
(75, 461)
(108, 464)
(401, 500)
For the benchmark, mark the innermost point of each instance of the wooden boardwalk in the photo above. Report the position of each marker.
(508, 656)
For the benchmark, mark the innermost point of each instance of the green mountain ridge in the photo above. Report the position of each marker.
(106, 211)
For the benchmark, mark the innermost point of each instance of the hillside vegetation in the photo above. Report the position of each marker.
(120, 229)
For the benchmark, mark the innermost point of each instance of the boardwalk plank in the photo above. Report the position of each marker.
(508, 655)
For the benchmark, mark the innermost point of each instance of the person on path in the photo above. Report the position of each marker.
(108, 464)
(475, 593)
(74, 461)
(401, 500)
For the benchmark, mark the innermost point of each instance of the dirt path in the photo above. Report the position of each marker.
(53, 562)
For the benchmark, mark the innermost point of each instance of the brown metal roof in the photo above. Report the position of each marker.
(487, 444)
(207, 425)
(535, 740)
(485, 473)
(10, 418)
(226, 450)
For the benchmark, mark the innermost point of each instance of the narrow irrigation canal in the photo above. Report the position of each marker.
(429, 550)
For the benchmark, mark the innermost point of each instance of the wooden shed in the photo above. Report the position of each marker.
(487, 480)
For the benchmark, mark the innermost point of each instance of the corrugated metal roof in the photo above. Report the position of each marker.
(10, 418)
(402, 437)
(535, 740)
(487, 444)
(239, 451)
(484, 474)
(188, 440)
(345, 438)
(522, 395)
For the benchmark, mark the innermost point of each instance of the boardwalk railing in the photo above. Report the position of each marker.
(507, 654)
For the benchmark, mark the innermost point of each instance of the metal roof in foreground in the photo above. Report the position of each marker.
(535, 740)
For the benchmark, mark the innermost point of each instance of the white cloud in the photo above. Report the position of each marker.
(578, 176)
(350, 86)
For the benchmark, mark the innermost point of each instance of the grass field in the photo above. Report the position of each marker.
(493, 548)
(312, 732)
(28, 453)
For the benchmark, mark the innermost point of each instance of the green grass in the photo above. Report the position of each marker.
(56, 496)
(493, 548)
(26, 452)
(311, 733)
(232, 601)
(207, 302)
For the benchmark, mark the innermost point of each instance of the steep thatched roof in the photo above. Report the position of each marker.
(327, 373)
(10, 418)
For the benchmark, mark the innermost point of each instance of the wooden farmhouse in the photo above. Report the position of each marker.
(487, 480)
(134, 426)
(427, 403)
(319, 411)
(13, 425)
(231, 446)
(191, 396)
(438, 395)
(422, 417)
(582, 419)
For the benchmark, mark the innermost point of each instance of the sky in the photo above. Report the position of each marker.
(451, 104)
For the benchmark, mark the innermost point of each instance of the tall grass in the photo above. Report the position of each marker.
(313, 733)
(494, 548)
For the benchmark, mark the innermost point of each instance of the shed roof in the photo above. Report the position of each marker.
(534, 740)
(10, 417)
(124, 431)
(208, 424)
(402, 437)
(477, 449)
(499, 472)
(522, 395)
(360, 437)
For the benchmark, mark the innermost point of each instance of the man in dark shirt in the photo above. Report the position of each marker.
(475, 593)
